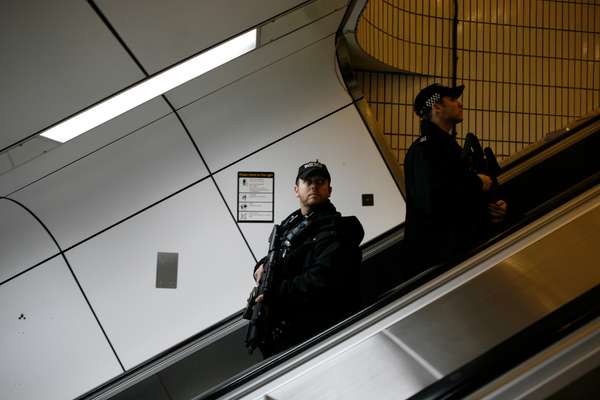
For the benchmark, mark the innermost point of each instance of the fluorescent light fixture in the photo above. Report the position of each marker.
(152, 87)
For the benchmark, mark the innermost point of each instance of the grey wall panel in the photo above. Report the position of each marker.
(23, 241)
(161, 33)
(342, 142)
(61, 59)
(267, 105)
(115, 182)
(82, 145)
(51, 346)
(255, 60)
(117, 270)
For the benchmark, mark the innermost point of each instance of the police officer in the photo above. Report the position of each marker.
(447, 211)
(317, 284)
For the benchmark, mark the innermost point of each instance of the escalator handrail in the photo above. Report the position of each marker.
(516, 349)
(548, 141)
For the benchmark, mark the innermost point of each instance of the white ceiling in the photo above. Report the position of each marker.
(60, 57)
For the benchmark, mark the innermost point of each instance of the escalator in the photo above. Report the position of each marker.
(529, 274)
(510, 301)
(214, 364)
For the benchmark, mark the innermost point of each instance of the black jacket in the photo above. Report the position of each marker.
(318, 283)
(445, 207)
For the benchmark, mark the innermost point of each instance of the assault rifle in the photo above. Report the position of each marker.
(257, 312)
(480, 161)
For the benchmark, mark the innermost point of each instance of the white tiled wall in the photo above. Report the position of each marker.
(530, 66)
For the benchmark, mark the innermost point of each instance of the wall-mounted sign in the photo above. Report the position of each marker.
(256, 200)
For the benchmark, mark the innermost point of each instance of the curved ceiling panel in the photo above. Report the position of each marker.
(61, 59)
(161, 33)
(267, 105)
(80, 146)
(284, 37)
(115, 182)
(23, 241)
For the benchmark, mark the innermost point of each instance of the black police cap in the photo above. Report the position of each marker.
(433, 94)
(313, 168)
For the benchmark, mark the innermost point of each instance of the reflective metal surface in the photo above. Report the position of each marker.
(497, 304)
(564, 371)
(368, 371)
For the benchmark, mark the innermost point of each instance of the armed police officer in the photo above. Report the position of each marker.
(447, 208)
(316, 281)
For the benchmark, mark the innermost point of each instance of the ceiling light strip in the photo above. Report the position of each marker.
(152, 87)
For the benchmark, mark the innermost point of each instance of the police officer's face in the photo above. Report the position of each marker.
(312, 191)
(450, 110)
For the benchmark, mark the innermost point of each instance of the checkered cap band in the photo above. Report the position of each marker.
(434, 98)
(434, 94)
